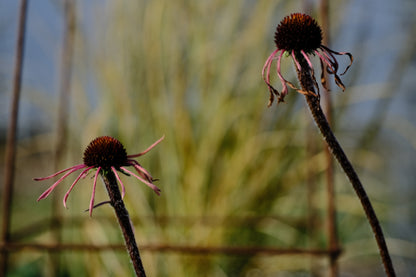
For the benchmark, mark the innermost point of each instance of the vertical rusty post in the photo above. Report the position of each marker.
(330, 185)
(10, 156)
(62, 117)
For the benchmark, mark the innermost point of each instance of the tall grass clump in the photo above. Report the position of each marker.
(191, 71)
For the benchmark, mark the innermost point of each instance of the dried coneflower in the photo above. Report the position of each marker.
(300, 36)
(108, 156)
(104, 154)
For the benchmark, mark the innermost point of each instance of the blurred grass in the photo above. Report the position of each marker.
(190, 71)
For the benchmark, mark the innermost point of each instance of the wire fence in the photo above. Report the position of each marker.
(19, 244)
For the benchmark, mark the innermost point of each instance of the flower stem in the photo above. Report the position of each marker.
(307, 84)
(124, 221)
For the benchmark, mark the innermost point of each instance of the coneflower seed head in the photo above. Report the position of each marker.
(105, 152)
(298, 32)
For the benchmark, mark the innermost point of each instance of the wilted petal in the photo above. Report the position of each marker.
(51, 188)
(148, 149)
(123, 190)
(73, 168)
(81, 175)
(151, 185)
(93, 190)
(141, 170)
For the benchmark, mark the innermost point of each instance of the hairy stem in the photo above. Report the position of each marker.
(124, 221)
(307, 84)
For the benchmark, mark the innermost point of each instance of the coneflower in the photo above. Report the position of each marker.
(104, 154)
(108, 157)
(300, 36)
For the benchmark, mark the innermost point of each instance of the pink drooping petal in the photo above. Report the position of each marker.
(331, 59)
(151, 185)
(85, 174)
(282, 79)
(81, 175)
(325, 56)
(267, 66)
(93, 190)
(266, 76)
(328, 53)
(141, 170)
(73, 168)
(326, 61)
(272, 90)
(332, 67)
(312, 72)
(323, 78)
(307, 58)
(296, 61)
(148, 149)
(285, 82)
(123, 190)
(51, 188)
(341, 54)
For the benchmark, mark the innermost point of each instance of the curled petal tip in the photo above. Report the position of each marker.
(154, 188)
(158, 141)
(90, 210)
(65, 204)
(44, 195)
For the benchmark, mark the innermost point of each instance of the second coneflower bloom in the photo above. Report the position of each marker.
(300, 36)
(104, 154)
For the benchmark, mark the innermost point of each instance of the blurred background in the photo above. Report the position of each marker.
(244, 187)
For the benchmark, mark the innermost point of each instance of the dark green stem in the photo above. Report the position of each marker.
(307, 84)
(124, 221)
